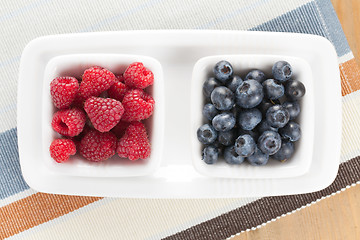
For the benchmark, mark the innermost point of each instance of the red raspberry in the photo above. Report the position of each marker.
(61, 149)
(104, 113)
(135, 143)
(138, 105)
(63, 91)
(95, 80)
(96, 146)
(138, 76)
(69, 122)
(118, 89)
(119, 129)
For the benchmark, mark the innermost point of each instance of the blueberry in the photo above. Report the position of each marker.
(273, 89)
(234, 83)
(253, 134)
(249, 118)
(210, 154)
(265, 126)
(282, 71)
(266, 104)
(222, 98)
(224, 122)
(223, 71)
(209, 111)
(227, 138)
(291, 131)
(231, 157)
(294, 89)
(209, 85)
(277, 116)
(269, 142)
(256, 75)
(258, 158)
(249, 94)
(245, 145)
(285, 152)
(293, 108)
(206, 134)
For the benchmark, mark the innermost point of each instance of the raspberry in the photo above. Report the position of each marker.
(138, 76)
(96, 146)
(61, 149)
(69, 122)
(119, 129)
(63, 91)
(118, 89)
(95, 80)
(138, 105)
(104, 113)
(135, 143)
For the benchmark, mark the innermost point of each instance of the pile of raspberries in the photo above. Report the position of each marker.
(101, 114)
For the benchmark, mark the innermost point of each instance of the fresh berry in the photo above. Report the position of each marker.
(69, 122)
(223, 71)
(119, 129)
(258, 158)
(61, 149)
(63, 91)
(209, 85)
(209, 111)
(222, 98)
(96, 146)
(254, 134)
(282, 71)
(207, 134)
(118, 89)
(294, 89)
(245, 145)
(231, 157)
(266, 104)
(210, 155)
(224, 121)
(135, 143)
(249, 118)
(292, 131)
(277, 116)
(285, 152)
(249, 94)
(138, 76)
(138, 105)
(104, 113)
(265, 126)
(95, 80)
(269, 142)
(227, 138)
(256, 75)
(234, 83)
(273, 89)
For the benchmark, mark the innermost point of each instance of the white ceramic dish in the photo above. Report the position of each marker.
(177, 52)
(300, 162)
(74, 65)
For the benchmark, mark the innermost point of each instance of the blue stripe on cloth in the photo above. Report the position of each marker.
(317, 17)
(11, 180)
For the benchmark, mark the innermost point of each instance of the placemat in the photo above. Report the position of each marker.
(25, 213)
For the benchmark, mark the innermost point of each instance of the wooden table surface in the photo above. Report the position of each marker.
(336, 217)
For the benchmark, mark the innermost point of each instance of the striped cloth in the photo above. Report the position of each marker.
(25, 213)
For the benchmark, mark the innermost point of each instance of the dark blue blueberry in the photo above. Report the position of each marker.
(210, 111)
(231, 157)
(234, 83)
(265, 126)
(273, 89)
(206, 134)
(210, 154)
(277, 116)
(224, 122)
(245, 145)
(249, 94)
(282, 71)
(222, 98)
(294, 89)
(293, 108)
(256, 75)
(249, 118)
(291, 131)
(253, 134)
(258, 158)
(209, 85)
(223, 71)
(266, 104)
(285, 152)
(227, 138)
(269, 142)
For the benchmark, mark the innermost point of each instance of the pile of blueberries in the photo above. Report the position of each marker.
(250, 119)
